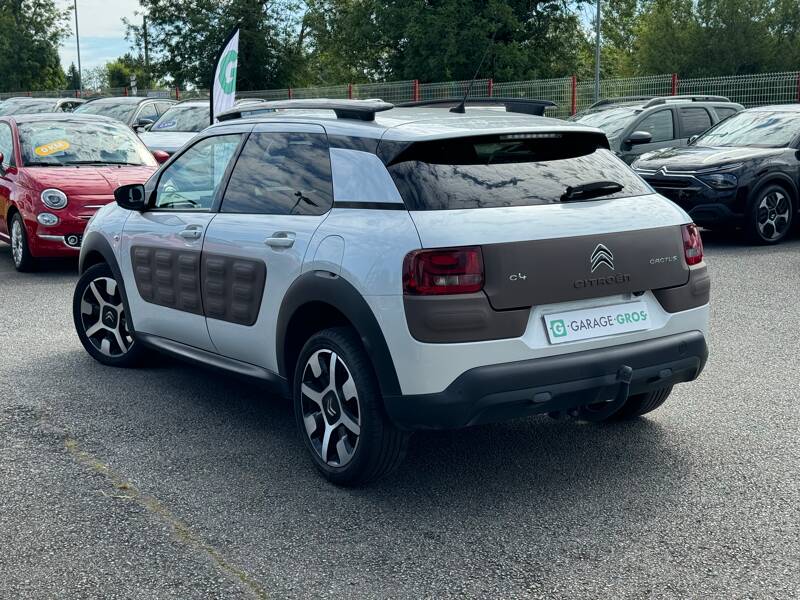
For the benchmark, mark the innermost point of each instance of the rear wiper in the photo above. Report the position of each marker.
(596, 189)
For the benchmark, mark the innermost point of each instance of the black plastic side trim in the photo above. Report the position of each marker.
(329, 289)
(370, 205)
(216, 361)
(346, 142)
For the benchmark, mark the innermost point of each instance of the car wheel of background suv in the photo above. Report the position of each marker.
(771, 215)
(634, 406)
(101, 321)
(20, 251)
(339, 410)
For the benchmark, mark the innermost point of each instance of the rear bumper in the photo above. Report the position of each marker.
(505, 391)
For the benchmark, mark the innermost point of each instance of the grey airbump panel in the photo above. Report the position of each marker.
(232, 288)
(168, 277)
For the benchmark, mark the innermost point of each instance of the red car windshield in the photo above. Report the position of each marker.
(65, 142)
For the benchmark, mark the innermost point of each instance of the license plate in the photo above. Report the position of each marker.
(596, 322)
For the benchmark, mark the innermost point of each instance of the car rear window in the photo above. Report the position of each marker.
(497, 171)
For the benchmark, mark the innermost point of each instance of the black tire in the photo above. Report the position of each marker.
(773, 232)
(641, 404)
(21, 256)
(118, 349)
(379, 447)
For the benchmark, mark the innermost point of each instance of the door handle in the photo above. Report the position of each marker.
(281, 239)
(191, 234)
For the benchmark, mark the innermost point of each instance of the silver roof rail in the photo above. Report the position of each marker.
(360, 110)
(665, 99)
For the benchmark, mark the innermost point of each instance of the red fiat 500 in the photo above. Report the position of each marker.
(56, 170)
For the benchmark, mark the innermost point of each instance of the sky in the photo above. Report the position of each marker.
(102, 31)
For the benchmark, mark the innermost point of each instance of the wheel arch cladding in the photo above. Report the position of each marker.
(775, 178)
(317, 300)
(95, 249)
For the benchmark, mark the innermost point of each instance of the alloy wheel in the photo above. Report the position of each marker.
(774, 215)
(103, 317)
(17, 241)
(331, 408)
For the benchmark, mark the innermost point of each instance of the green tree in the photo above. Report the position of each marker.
(73, 78)
(30, 34)
(120, 70)
(443, 40)
(184, 38)
(666, 38)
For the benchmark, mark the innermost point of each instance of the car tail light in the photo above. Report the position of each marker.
(692, 244)
(443, 271)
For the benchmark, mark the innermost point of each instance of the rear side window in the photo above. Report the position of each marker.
(723, 112)
(694, 121)
(658, 124)
(281, 174)
(490, 172)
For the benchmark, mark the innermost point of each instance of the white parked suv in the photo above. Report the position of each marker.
(402, 268)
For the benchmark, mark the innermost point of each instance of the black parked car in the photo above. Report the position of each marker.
(744, 172)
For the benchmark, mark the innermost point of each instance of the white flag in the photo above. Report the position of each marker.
(223, 91)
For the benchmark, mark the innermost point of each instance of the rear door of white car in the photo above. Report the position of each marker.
(280, 191)
(160, 249)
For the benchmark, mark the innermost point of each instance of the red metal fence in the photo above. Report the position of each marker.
(570, 94)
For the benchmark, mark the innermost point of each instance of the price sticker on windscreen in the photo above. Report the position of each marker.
(597, 322)
(51, 148)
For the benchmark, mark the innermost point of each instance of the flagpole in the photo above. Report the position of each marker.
(78, 40)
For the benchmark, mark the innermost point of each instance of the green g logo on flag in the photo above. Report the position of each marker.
(227, 72)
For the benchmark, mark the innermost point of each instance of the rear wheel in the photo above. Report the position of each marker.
(101, 321)
(771, 215)
(20, 250)
(339, 410)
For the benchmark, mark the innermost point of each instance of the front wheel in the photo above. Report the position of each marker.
(771, 215)
(339, 410)
(101, 321)
(20, 249)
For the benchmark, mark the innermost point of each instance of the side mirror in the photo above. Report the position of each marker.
(639, 137)
(160, 156)
(131, 197)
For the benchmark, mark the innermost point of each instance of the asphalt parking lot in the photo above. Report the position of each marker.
(177, 482)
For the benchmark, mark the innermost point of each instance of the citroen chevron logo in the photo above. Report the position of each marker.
(601, 256)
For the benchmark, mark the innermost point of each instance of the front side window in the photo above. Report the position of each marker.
(192, 181)
(6, 145)
(148, 111)
(281, 174)
(723, 112)
(67, 142)
(659, 125)
(694, 121)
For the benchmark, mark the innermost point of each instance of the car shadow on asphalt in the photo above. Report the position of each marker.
(534, 457)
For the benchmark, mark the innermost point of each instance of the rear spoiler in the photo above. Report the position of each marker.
(524, 106)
